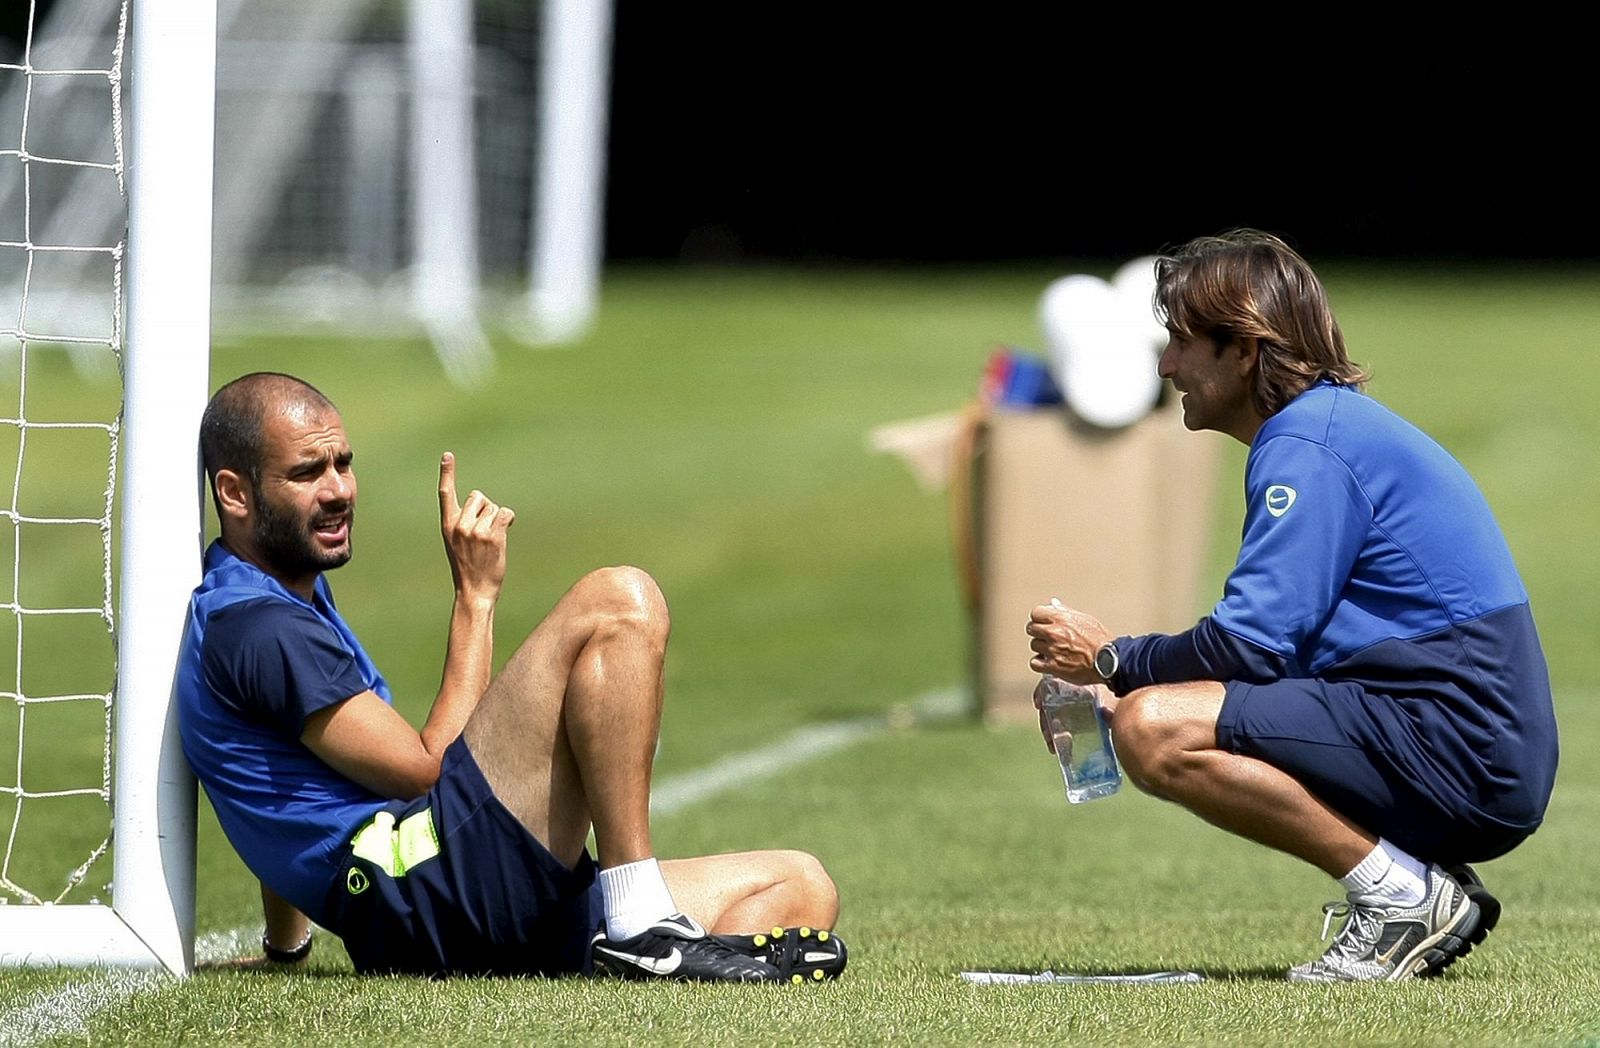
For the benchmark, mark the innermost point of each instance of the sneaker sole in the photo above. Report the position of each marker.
(1437, 952)
(1488, 906)
(801, 955)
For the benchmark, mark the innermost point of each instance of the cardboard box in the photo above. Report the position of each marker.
(1117, 524)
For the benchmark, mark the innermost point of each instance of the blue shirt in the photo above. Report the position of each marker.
(1369, 555)
(256, 661)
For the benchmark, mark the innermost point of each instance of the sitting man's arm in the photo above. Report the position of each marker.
(287, 938)
(363, 738)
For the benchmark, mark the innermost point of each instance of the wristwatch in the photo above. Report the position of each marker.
(1105, 661)
(293, 955)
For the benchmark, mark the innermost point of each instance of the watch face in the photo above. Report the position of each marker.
(1105, 661)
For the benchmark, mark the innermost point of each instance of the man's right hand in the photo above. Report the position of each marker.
(474, 536)
(1064, 641)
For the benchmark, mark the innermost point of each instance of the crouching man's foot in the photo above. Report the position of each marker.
(677, 947)
(799, 955)
(1397, 942)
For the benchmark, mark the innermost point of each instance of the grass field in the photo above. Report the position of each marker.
(713, 431)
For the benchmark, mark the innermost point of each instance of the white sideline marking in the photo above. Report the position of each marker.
(69, 1009)
(677, 792)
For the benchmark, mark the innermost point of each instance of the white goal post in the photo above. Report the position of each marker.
(165, 355)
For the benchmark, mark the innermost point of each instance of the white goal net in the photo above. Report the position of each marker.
(60, 301)
(100, 395)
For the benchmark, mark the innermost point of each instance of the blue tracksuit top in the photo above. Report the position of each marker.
(256, 661)
(1370, 556)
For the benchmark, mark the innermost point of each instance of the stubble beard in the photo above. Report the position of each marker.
(287, 542)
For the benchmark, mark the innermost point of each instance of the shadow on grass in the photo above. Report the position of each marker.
(1245, 974)
(264, 969)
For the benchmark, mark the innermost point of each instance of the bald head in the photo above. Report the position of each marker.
(233, 428)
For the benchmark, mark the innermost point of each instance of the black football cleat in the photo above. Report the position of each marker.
(799, 955)
(677, 947)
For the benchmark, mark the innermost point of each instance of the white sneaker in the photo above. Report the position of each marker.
(1396, 942)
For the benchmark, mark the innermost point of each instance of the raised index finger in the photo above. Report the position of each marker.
(449, 507)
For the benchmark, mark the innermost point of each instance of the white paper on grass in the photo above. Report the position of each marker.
(1069, 978)
(1104, 342)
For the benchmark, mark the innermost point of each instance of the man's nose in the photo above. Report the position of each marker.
(338, 487)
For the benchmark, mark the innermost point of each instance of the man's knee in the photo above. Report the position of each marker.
(1157, 731)
(810, 881)
(625, 599)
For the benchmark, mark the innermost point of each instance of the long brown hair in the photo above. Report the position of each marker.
(1249, 284)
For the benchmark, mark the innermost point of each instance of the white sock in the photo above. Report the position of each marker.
(636, 897)
(1388, 876)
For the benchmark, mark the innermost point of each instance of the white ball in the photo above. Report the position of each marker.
(1099, 339)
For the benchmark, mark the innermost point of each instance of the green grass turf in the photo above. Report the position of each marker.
(712, 430)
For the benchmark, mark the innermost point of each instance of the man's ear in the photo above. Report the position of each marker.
(1246, 353)
(233, 495)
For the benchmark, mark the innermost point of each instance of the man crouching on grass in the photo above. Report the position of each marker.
(460, 848)
(1370, 694)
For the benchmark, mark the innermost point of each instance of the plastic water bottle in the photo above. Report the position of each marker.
(1082, 739)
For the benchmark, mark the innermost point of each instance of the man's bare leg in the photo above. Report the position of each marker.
(566, 733)
(1166, 738)
(745, 892)
(775, 906)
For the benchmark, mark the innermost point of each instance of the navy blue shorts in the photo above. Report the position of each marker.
(451, 883)
(1367, 759)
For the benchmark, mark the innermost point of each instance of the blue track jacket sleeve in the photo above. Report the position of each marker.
(1306, 520)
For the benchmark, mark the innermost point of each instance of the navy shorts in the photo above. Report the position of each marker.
(1365, 757)
(451, 883)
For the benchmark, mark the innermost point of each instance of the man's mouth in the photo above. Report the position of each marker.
(332, 531)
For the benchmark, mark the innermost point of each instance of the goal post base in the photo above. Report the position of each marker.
(76, 936)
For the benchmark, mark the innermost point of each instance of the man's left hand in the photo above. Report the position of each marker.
(474, 536)
(1065, 641)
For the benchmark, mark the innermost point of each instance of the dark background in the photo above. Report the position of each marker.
(877, 132)
(1034, 132)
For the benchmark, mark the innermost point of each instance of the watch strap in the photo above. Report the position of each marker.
(293, 955)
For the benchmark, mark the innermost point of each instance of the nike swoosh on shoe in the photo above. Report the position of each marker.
(656, 965)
